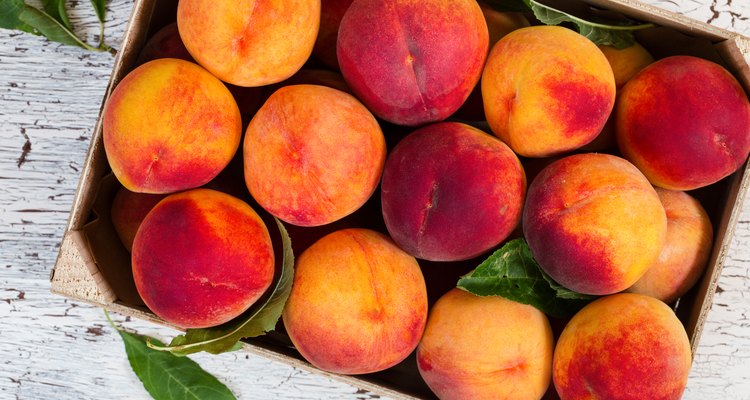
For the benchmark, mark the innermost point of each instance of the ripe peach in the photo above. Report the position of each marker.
(594, 223)
(128, 211)
(625, 346)
(684, 256)
(684, 122)
(412, 62)
(358, 303)
(451, 192)
(485, 348)
(248, 42)
(166, 43)
(501, 23)
(546, 90)
(312, 155)
(169, 125)
(201, 258)
(331, 13)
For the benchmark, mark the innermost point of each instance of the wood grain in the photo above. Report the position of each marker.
(52, 348)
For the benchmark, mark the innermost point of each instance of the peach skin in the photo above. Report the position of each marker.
(170, 125)
(358, 303)
(201, 258)
(547, 90)
(684, 122)
(249, 42)
(485, 348)
(313, 155)
(685, 254)
(128, 211)
(622, 347)
(594, 223)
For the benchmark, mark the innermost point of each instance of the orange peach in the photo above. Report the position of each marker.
(485, 348)
(685, 254)
(358, 303)
(201, 258)
(625, 346)
(684, 122)
(546, 90)
(169, 125)
(331, 13)
(312, 155)
(128, 211)
(249, 42)
(594, 223)
(412, 62)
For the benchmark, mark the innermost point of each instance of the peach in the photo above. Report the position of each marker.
(249, 42)
(312, 155)
(358, 303)
(412, 62)
(201, 258)
(169, 125)
(547, 90)
(625, 346)
(684, 122)
(331, 13)
(685, 254)
(128, 211)
(166, 43)
(625, 64)
(485, 348)
(594, 223)
(451, 192)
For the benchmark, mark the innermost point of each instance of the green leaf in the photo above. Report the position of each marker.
(226, 337)
(619, 36)
(99, 8)
(56, 9)
(512, 272)
(10, 12)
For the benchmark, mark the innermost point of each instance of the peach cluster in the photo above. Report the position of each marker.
(355, 115)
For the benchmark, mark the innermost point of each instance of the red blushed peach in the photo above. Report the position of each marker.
(331, 13)
(312, 155)
(166, 43)
(547, 90)
(169, 125)
(594, 223)
(358, 303)
(451, 192)
(683, 257)
(485, 348)
(684, 122)
(412, 62)
(249, 42)
(128, 211)
(625, 346)
(201, 258)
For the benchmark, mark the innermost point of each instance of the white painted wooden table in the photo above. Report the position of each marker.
(52, 348)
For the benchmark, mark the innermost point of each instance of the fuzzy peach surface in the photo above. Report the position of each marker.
(594, 223)
(626, 62)
(313, 155)
(358, 303)
(129, 209)
(546, 90)
(169, 125)
(201, 258)
(249, 42)
(485, 348)
(684, 256)
(412, 61)
(622, 347)
(684, 122)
